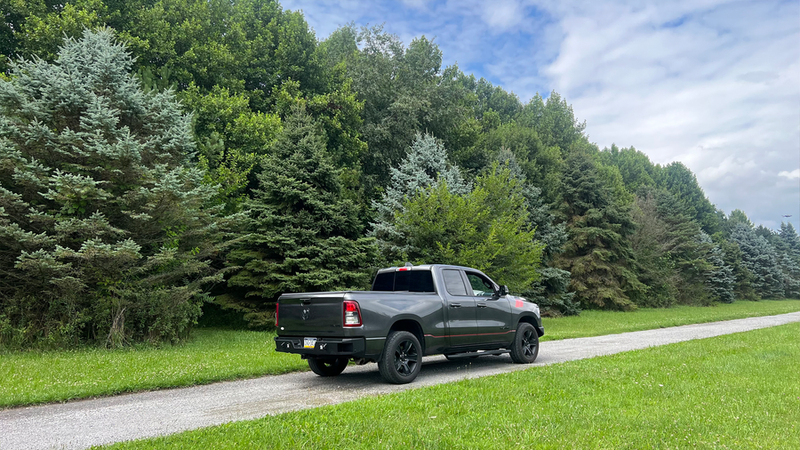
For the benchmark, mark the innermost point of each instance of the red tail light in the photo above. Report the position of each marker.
(277, 307)
(352, 314)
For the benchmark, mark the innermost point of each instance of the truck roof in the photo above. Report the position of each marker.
(422, 267)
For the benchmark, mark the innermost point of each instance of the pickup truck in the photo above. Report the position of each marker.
(411, 312)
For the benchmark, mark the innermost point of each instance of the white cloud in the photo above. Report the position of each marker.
(790, 175)
(502, 14)
(713, 85)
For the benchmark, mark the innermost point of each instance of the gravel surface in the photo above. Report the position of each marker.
(81, 424)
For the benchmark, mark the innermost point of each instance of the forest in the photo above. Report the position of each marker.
(162, 158)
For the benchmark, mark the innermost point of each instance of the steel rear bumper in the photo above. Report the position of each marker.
(350, 347)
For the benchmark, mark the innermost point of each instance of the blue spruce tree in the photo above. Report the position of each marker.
(424, 166)
(106, 234)
(761, 259)
(719, 277)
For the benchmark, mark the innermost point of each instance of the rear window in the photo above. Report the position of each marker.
(409, 280)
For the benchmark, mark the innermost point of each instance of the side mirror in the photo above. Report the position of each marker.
(503, 291)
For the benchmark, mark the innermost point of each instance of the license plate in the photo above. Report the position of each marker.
(309, 342)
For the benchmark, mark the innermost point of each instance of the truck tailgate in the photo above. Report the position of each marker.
(310, 314)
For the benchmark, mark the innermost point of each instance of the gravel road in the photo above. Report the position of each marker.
(81, 424)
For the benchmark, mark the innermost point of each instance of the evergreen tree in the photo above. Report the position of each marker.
(760, 258)
(743, 278)
(597, 254)
(238, 66)
(649, 242)
(738, 217)
(789, 259)
(105, 232)
(682, 183)
(791, 241)
(719, 276)
(304, 236)
(550, 290)
(687, 253)
(791, 275)
(425, 165)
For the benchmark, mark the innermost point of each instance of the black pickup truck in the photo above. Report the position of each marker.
(410, 312)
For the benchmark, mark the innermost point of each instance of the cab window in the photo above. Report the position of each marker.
(481, 286)
(453, 282)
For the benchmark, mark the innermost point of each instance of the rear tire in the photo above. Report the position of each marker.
(327, 367)
(401, 359)
(525, 348)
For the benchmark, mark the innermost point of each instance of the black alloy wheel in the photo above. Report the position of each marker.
(525, 348)
(401, 360)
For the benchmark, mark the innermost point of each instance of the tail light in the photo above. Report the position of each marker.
(352, 314)
(277, 307)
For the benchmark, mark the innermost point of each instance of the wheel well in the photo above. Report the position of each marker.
(413, 327)
(532, 321)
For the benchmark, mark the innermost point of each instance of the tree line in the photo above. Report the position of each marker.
(159, 156)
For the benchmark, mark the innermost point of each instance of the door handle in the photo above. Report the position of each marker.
(455, 305)
(481, 305)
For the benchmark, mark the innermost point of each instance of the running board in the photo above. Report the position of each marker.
(477, 354)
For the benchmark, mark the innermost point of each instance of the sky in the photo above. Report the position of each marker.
(714, 84)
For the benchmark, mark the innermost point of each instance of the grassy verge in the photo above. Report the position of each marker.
(214, 355)
(736, 391)
(210, 355)
(598, 323)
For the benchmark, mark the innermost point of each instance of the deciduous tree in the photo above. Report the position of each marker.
(487, 229)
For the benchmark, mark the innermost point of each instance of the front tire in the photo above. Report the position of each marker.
(327, 367)
(525, 348)
(401, 360)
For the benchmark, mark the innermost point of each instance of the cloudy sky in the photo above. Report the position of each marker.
(714, 84)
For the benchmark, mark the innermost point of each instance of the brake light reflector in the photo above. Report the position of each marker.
(352, 314)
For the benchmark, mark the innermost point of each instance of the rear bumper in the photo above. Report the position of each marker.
(350, 347)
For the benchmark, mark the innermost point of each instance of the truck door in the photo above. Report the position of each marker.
(493, 312)
(460, 309)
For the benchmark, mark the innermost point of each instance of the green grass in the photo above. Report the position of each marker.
(210, 355)
(598, 323)
(735, 391)
(214, 355)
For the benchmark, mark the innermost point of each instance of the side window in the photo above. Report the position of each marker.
(481, 286)
(453, 282)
